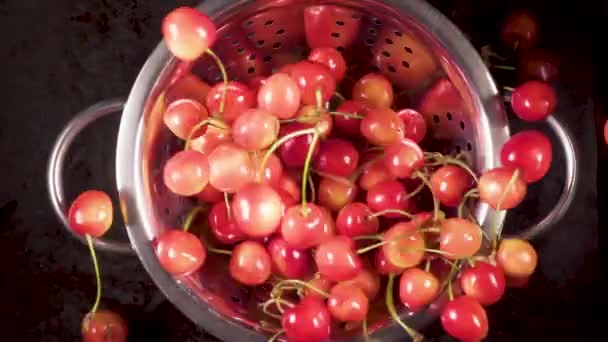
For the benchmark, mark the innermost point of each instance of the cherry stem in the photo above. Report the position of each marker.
(371, 247)
(364, 329)
(278, 286)
(377, 237)
(219, 251)
(453, 269)
(347, 115)
(274, 337)
(313, 193)
(191, 216)
(319, 99)
(335, 178)
(97, 274)
(427, 265)
(504, 67)
(340, 97)
(425, 180)
(211, 122)
(463, 165)
(471, 262)
(430, 230)
(228, 207)
(474, 192)
(280, 142)
(220, 65)
(278, 302)
(363, 166)
(306, 170)
(507, 88)
(392, 211)
(390, 305)
(415, 192)
(510, 185)
(285, 121)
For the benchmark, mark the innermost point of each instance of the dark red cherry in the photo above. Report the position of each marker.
(533, 101)
(484, 282)
(308, 321)
(350, 125)
(223, 226)
(519, 31)
(413, 123)
(403, 157)
(387, 195)
(104, 326)
(355, 219)
(337, 260)
(417, 288)
(312, 77)
(449, 183)
(338, 157)
(465, 319)
(293, 152)
(331, 58)
(530, 152)
(308, 228)
(287, 261)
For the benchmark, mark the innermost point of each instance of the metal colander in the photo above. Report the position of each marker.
(432, 66)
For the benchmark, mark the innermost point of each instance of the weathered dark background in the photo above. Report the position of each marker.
(59, 56)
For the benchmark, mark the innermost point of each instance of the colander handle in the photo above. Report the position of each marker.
(56, 165)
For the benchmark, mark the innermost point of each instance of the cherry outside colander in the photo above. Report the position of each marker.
(432, 66)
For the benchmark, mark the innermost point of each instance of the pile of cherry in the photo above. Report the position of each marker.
(319, 196)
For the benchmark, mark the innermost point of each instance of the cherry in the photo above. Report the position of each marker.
(367, 281)
(347, 303)
(460, 238)
(91, 213)
(374, 173)
(414, 124)
(287, 261)
(331, 58)
(180, 252)
(384, 266)
(337, 260)
(250, 263)
(355, 219)
(449, 184)
(417, 288)
(223, 225)
(257, 210)
(255, 129)
(188, 86)
(309, 321)
(403, 157)
(422, 218)
(539, 65)
(375, 90)
(530, 152)
(182, 115)
(188, 33)
(484, 282)
(387, 195)
(306, 228)
(273, 170)
(350, 125)
(382, 127)
(338, 157)
(186, 173)
(405, 245)
(493, 184)
(465, 319)
(533, 101)
(280, 96)
(293, 152)
(207, 142)
(519, 31)
(256, 82)
(230, 168)
(289, 186)
(516, 258)
(104, 326)
(319, 118)
(239, 98)
(319, 283)
(312, 77)
(335, 193)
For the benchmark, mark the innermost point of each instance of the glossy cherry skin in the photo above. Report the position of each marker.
(287, 261)
(180, 252)
(516, 258)
(239, 98)
(255, 129)
(272, 172)
(337, 260)
(337, 157)
(382, 127)
(375, 90)
(186, 173)
(417, 288)
(519, 31)
(188, 86)
(460, 238)
(319, 283)
(347, 303)
(374, 173)
(492, 186)
(91, 213)
(250, 263)
(104, 326)
(413, 123)
(223, 227)
(257, 210)
(403, 157)
(384, 266)
(210, 195)
(354, 220)
(465, 319)
(290, 186)
(230, 168)
(405, 245)
(293, 152)
(387, 195)
(311, 77)
(348, 125)
(484, 282)
(529, 151)
(368, 281)
(188, 33)
(280, 96)
(538, 65)
(334, 193)
(533, 101)
(331, 58)
(207, 142)
(182, 115)
(305, 229)
(449, 183)
(308, 321)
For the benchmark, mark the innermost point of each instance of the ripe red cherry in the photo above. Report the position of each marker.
(519, 31)
(403, 157)
(304, 229)
(413, 123)
(484, 282)
(312, 77)
(273, 170)
(256, 82)
(91, 213)
(288, 185)
(374, 173)
(368, 281)
(465, 319)
(338, 157)
(180, 252)
(223, 226)
(315, 117)
(250, 263)
(287, 261)
(382, 127)
(293, 152)
(319, 283)
(188, 86)
(375, 90)
(188, 33)
(230, 168)
(337, 260)
(449, 184)
(334, 194)
(349, 125)
(182, 115)
(210, 195)
(309, 321)
(405, 245)
(417, 288)
(539, 65)
(104, 326)
(331, 58)
(384, 266)
(530, 152)
(186, 173)
(347, 303)
(493, 184)
(354, 219)
(255, 129)
(460, 238)
(207, 142)
(280, 96)
(387, 195)
(533, 101)
(239, 98)
(257, 210)
(516, 258)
